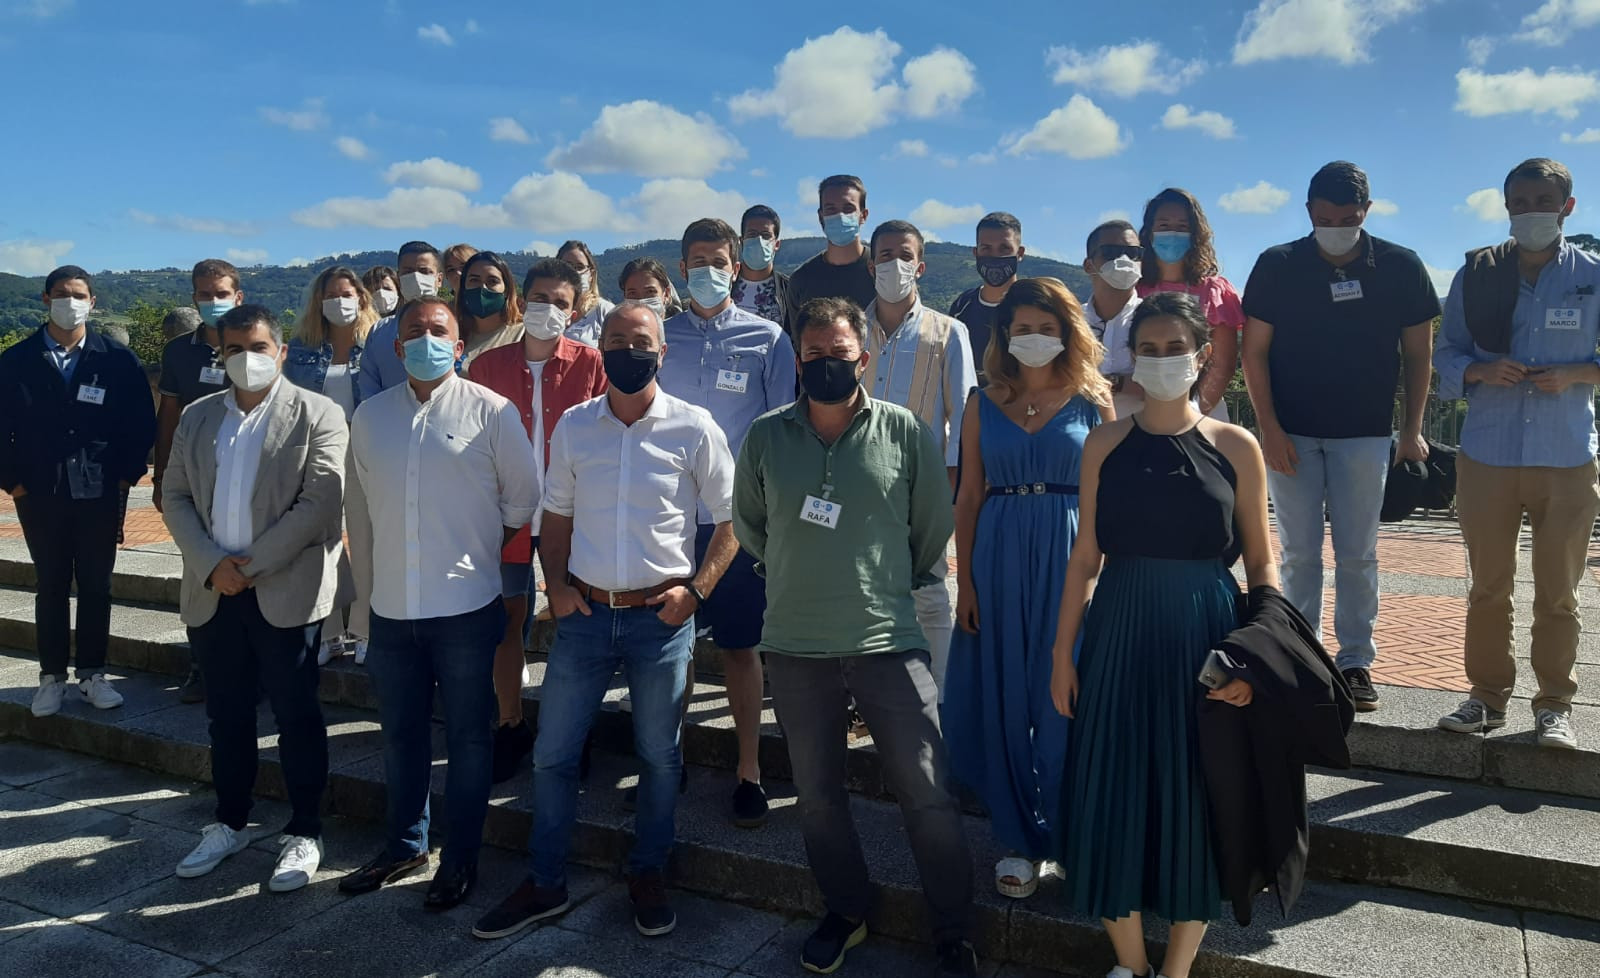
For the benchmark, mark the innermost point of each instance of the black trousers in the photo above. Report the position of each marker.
(71, 540)
(243, 654)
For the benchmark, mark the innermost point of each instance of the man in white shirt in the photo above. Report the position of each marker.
(627, 473)
(253, 494)
(448, 476)
(1114, 262)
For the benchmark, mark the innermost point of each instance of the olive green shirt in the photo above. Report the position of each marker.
(845, 590)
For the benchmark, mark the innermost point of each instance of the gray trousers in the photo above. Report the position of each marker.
(897, 698)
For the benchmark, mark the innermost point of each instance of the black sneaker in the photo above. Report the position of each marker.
(527, 904)
(193, 689)
(958, 958)
(586, 759)
(1360, 683)
(652, 914)
(825, 949)
(512, 745)
(630, 796)
(749, 805)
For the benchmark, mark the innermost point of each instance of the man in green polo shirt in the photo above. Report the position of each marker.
(844, 502)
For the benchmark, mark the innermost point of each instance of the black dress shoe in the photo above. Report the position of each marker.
(193, 689)
(512, 745)
(379, 872)
(450, 886)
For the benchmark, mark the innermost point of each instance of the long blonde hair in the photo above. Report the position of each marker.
(1077, 367)
(312, 330)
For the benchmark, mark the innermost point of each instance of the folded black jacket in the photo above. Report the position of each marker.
(1254, 757)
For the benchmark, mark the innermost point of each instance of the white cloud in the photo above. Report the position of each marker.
(1479, 49)
(758, 172)
(31, 256)
(983, 159)
(403, 207)
(1525, 91)
(41, 10)
(470, 28)
(1339, 30)
(1122, 69)
(504, 129)
(666, 207)
(298, 261)
(1213, 124)
(561, 202)
(651, 140)
(938, 82)
(1079, 130)
(1587, 136)
(1442, 279)
(543, 249)
(1111, 215)
(308, 117)
(437, 34)
(352, 148)
(433, 172)
(1383, 208)
(246, 256)
(195, 225)
(937, 214)
(1263, 198)
(1556, 21)
(911, 147)
(1488, 204)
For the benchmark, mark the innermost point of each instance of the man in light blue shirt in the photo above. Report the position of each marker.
(1521, 328)
(921, 360)
(419, 269)
(738, 367)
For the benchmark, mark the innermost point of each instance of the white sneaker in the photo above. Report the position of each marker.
(98, 692)
(217, 842)
(527, 679)
(1120, 972)
(361, 651)
(1555, 730)
(297, 863)
(47, 701)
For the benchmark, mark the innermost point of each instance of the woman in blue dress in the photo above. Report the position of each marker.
(1016, 516)
(1170, 498)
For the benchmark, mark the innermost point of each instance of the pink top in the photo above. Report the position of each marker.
(1215, 293)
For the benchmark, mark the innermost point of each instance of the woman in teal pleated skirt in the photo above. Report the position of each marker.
(1169, 500)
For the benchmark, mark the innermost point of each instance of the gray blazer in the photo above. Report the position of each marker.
(296, 508)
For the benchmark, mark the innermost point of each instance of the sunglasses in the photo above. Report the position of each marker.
(1113, 252)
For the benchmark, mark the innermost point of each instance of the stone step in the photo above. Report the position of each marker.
(1340, 930)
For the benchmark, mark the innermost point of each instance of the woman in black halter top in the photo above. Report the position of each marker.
(1169, 501)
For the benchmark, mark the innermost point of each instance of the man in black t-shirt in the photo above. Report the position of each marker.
(840, 270)
(1331, 320)
(997, 254)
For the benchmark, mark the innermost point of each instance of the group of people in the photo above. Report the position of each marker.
(772, 458)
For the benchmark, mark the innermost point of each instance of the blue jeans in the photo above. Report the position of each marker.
(1343, 477)
(408, 660)
(588, 649)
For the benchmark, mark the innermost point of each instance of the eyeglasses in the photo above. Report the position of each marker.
(1113, 252)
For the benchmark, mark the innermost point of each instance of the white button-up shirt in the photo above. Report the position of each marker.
(1113, 334)
(632, 490)
(240, 439)
(441, 478)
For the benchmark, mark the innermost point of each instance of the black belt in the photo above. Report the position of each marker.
(1034, 489)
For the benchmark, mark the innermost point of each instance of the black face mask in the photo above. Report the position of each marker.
(829, 380)
(997, 271)
(480, 303)
(630, 371)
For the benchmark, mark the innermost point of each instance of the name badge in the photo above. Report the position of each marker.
(821, 512)
(213, 375)
(733, 381)
(1345, 291)
(1562, 318)
(89, 394)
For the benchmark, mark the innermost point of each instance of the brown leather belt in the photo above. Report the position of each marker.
(637, 598)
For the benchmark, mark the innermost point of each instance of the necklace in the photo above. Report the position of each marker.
(1032, 410)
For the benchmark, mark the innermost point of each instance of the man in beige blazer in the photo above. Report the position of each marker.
(253, 493)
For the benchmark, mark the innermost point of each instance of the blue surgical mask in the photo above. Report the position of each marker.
(429, 357)
(213, 309)
(709, 286)
(842, 229)
(757, 253)
(1171, 246)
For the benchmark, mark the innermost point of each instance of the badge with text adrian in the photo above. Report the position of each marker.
(1562, 318)
(213, 375)
(733, 381)
(1347, 290)
(91, 394)
(822, 512)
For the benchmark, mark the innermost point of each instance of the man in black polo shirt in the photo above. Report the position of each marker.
(1331, 319)
(190, 370)
(998, 251)
(840, 270)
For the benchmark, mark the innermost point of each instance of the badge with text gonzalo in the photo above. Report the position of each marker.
(821, 512)
(733, 381)
(1346, 290)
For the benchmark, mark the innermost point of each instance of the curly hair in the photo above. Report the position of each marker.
(1201, 261)
(1077, 367)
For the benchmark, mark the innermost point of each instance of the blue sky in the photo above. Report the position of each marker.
(148, 135)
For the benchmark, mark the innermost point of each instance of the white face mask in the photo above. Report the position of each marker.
(895, 279)
(1035, 349)
(1537, 230)
(583, 282)
(69, 314)
(658, 304)
(415, 285)
(341, 310)
(1121, 273)
(542, 321)
(1337, 241)
(1167, 378)
(251, 371)
(384, 300)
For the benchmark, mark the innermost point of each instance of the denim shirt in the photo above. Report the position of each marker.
(308, 368)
